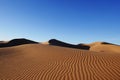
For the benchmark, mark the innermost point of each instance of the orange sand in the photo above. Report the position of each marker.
(99, 47)
(45, 62)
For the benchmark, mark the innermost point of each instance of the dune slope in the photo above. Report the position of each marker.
(44, 62)
(104, 47)
(16, 42)
(63, 44)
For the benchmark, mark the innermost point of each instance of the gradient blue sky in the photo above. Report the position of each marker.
(74, 21)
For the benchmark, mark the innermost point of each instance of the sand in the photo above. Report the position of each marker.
(16, 42)
(45, 43)
(45, 62)
(99, 47)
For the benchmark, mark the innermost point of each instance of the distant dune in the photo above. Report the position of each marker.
(46, 43)
(101, 43)
(63, 44)
(16, 42)
(3, 42)
(96, 46)
(61, 62)
(104, 47)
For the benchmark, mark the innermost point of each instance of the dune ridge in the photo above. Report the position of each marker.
(63, 44)
(95, 46)
(16, 42)
(44, 62)
(104, 47)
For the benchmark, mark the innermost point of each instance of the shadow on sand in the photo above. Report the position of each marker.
(63, 44)
(16, 42)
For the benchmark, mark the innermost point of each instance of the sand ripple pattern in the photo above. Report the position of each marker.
(43, 62)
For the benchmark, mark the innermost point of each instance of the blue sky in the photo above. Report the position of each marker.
(74, 21)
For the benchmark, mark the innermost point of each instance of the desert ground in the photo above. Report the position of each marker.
(22, 59)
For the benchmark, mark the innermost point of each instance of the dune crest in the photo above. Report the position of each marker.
(104, 47)
(95, 46)
(63, 44)
(16, 42)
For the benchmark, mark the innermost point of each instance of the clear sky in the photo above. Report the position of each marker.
(74, 21)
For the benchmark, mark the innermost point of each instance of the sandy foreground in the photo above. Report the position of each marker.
(45, 62)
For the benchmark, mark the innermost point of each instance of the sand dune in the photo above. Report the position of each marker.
(45, 62)
(96, 46)
(104, 47)
(1, 42)
(63, 44)
(45, 43)
(100, 43)
(16, 42)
